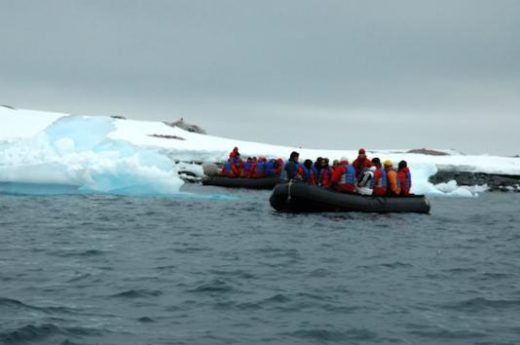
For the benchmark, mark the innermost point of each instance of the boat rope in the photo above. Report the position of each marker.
(289, 190)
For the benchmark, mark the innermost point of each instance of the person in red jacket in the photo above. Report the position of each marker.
(405, 178)
(234, 153)
(379, 182)
(325, 174)
(279, 167)
(233, 167)
(343, 177)
(361, 163)
(237, 165)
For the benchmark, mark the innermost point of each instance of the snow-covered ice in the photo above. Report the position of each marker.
(103, 154)
(73, 154)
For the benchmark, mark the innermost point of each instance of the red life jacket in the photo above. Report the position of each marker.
(379, 183)
(405, 178)
(279, 168)
(360, 164)
(325, 175)
(343, 178)
(236, 166)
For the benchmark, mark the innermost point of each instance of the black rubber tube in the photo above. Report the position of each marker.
(242, 182)
(301, 197)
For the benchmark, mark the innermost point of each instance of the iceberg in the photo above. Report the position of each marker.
(99, 154)
(74, 155)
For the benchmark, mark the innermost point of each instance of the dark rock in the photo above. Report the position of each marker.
(494, 181)
(166, 136)
(186, 126)
(428, 152)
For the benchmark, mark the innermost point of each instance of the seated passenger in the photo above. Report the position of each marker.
(226, 169)
(279, 167)
(253, 167)
(317, 167)
(248, 167)
(307, 172)
(379, 183)
(361, 163)
(260, 167)
(364, 184)
(237, 165)
(292, 166)
(270, 168)
(404, 177)
(394, 186)
(325, 174)
(343, 177)
(335, 165)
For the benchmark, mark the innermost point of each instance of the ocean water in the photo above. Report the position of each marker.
(222, 267)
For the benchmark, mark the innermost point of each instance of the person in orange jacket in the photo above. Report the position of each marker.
(405, 178)
(394, 185)
(343, 177)
(380, 180)
(361, 163)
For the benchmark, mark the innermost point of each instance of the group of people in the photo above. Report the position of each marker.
(364, 176)
(252, 167)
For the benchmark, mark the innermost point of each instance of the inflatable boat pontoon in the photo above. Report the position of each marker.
(302, 197)
(242, 182)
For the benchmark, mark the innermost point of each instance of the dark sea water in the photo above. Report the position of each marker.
(224, 268)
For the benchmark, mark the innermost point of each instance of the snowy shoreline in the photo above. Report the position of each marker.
(114, 155)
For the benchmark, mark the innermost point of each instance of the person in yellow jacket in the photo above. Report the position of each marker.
(393, 185)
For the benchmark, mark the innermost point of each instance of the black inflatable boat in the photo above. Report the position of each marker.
(242, 182)
(302, 197)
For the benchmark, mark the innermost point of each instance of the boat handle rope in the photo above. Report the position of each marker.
(289, 190)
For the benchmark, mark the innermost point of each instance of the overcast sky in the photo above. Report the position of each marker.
(319, 74)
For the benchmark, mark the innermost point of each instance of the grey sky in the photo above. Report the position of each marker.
(323, 74)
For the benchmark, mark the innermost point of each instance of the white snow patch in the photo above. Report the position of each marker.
(105, 154)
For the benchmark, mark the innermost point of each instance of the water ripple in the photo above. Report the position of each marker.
(138, 293)
(321, 334)
(480, 303)
(121, 270)
(216, 285)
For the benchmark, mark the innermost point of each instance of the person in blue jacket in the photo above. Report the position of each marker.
(270, 168)
(307, 172)
(292, 166)
(260, 167)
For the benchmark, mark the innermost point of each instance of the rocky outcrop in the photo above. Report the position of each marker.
(186, 126)
(118, 117)
(428, 152)
(166, 136)
(495, 182)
